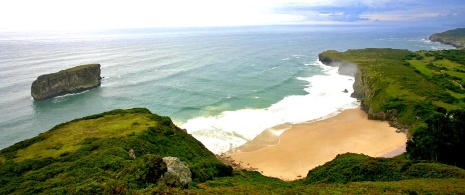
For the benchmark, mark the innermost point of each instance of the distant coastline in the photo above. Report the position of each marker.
(451, 37)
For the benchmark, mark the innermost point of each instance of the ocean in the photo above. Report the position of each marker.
(223, 85)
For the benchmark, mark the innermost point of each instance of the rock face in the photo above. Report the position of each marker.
(362, 90)
(178, 174)
(73, 80)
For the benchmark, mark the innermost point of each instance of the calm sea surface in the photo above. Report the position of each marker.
(224, 85)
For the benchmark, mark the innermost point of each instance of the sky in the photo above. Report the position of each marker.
(109, 14)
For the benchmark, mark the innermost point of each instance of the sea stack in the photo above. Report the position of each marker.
(73, 80)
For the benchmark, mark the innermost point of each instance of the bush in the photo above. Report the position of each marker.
(357, 167)
(145, 170)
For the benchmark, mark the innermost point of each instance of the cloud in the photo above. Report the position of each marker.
(82, 14)
(375, 11)
(341, 11)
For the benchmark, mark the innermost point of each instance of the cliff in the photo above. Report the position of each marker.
(73, 80)
(362, 83)
(378, 77)
(454, 37)
(403, 87)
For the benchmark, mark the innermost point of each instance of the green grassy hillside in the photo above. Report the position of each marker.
(454, 37)
(91, 156)
(412, 85)
(86, 155)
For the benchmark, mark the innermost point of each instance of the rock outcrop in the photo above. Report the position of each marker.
(178, 174)
(73, 80)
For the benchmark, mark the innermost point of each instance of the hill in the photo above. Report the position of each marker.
(92, 155)
(454, 37)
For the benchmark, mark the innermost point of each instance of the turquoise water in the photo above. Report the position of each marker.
(224, 85)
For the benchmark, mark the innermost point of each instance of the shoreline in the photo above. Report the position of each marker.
(291, 154)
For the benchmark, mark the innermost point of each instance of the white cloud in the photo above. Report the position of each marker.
(91, 14)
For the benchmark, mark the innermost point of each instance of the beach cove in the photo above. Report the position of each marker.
(305, 146)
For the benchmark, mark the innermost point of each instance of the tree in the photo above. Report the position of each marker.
(441, 140)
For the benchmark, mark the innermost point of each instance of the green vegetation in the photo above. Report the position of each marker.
(441, 140)
(400, 80)
(416, 84)
(454, 37)
(80, 67)
(355, 167)
(424, 90)
(90, 155)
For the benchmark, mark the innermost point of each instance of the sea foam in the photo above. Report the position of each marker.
(231, 129)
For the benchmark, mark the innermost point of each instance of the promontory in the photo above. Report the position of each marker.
(72, 80)
(454, 37)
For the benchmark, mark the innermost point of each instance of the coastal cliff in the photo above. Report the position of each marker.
(73, 80)
(361, 85)
(454, 37)
(403, 87)
(368, 85)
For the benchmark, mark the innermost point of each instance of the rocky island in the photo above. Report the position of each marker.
(454, 37)
(72, 80)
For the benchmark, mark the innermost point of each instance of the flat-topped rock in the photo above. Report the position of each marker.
(72, 80)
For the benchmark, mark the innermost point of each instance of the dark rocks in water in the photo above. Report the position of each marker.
(345, 91)
(73, 80)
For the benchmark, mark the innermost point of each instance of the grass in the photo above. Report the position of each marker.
(421, 66)
(80, 67)
(456, 95)
(254, 183)
(90, 155)
(443, 69)
(413, 83)
(70, 136)
(99, 164)
(244, 182)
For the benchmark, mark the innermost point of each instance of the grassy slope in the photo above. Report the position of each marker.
(90, 155)
(399, 79)
(86, 155)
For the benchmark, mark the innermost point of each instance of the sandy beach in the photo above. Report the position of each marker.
(302, 147)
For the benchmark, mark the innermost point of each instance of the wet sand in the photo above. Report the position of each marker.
(302, 147)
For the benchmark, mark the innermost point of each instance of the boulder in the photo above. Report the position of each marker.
(178, 174)
(132, 154)
(73, 80)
